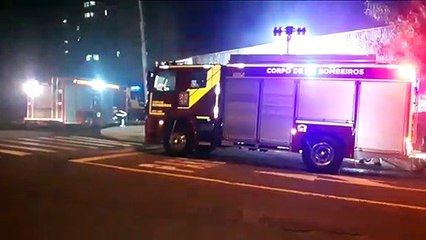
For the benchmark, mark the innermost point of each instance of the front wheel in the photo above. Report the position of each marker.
(177, 141)
(323, 154)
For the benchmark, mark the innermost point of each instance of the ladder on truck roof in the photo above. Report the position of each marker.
(311, 58)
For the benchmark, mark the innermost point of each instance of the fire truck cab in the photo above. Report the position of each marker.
(326, 107)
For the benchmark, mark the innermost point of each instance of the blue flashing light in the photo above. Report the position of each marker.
(135, 88)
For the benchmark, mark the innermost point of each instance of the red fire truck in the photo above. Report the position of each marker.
(326, 107)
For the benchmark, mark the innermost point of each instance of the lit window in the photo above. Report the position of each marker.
(66, 51)
(96, 57)
(64, 21)
(89, 14)
(106, 12)
(89, 57)
(118, 53)
(66, 41)
(78, 28)
(89, 4)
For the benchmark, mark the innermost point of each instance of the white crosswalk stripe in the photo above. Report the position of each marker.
(81, 141)
(102, 141)
(107, 141)
(41, 145)
(13, 152)
(181, 165)
(59, 143)
(28, 146)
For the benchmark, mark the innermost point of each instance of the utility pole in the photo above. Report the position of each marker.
(143, 51)
(289, 30)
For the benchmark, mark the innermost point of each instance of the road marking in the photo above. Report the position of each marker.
(16, 153)
(102, 141)
(180, 165)
(199, 161)
(27, 148)
(164, 167)
(104, 157)
(83, 142)
(84, 145)
(168, 162)
(253, 186)
(290, 175)
(340, 179)
(41, 145)
(57, 143)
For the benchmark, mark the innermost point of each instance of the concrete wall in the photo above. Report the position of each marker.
(354, 42)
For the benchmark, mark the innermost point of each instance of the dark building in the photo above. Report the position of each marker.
(96, 41)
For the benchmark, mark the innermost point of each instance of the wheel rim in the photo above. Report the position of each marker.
(177, 142)
(322, 154)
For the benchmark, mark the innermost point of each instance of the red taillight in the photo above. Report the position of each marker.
(184, 99)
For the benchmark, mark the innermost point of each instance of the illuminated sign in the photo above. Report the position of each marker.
(315, 71)
(318, 72)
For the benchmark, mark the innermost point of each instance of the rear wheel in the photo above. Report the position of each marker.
(178, 140)
(323, 154)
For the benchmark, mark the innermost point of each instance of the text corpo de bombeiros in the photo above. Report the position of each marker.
(319, 71)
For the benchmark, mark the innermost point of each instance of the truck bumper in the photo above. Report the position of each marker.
(154, 130)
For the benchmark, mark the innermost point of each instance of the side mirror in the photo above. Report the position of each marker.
(150, 79)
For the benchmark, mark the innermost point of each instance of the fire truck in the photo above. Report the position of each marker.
(89, 102)
(325, 107)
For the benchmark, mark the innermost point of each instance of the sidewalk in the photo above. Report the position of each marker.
(353, 167)
(134, 133)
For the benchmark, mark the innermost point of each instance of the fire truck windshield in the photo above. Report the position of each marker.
(165, 81)
(170, 80)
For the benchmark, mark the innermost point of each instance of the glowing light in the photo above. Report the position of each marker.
(98, 85)
(135, 88)
(161, 122)
(240, 65)
(408, 146)
(207, 66)
(217, 89)
(311, 70)
(293, 131)
(407, 72)
(216, 112)
(33, 88)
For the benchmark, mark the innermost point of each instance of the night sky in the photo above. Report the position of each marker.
(174, 29)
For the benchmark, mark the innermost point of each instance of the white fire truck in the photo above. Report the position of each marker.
(73, 101)
(326, 107)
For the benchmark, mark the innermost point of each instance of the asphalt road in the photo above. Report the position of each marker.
(118, 192)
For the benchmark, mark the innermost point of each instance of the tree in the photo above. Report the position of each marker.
(407, 22)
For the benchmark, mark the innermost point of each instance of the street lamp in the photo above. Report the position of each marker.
(289, 30)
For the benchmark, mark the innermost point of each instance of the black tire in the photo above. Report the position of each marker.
(183, 135)
(322, 154)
